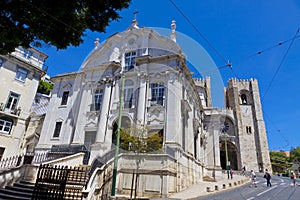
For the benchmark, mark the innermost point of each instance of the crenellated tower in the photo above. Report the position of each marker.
(244, 98)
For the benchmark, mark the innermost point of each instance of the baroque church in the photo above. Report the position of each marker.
(140, 78)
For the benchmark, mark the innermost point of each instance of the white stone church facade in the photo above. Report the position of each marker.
(160, 93)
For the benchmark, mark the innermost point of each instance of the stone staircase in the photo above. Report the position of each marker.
(22, 191)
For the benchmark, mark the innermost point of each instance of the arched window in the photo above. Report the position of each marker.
(6, 125)
(244, 99)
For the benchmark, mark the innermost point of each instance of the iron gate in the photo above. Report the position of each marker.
(60, 182)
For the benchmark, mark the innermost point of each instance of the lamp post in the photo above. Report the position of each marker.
(226, 154)
(115, 170)
(224, 129)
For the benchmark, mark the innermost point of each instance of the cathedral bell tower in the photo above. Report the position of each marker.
(243, 97)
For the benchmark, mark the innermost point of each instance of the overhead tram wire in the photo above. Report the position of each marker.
(197, 30)
(213, 70)
(281, 62)
(267, 49)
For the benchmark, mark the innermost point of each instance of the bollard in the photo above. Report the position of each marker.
(224, 186)
(234, 183)
(208, 189)
(230, 185)
(216, 187)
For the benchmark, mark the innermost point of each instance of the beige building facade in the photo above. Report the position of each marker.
(20, 73)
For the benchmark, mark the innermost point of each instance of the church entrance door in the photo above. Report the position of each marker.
(232, 155)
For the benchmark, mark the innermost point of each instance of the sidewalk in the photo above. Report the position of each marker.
(206, 187)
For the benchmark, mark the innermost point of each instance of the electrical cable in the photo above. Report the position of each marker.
(197, 30)
(279, 66)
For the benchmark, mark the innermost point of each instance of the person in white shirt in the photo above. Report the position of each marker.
(253, 178)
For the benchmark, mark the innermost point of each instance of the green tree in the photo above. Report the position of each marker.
(280, 161)
(58, 23)
(140, 140)
(295, 154)
(44, 87)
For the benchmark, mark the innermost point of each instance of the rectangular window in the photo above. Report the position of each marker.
(157, 93)
(130, 60)
(57, 129)
(98, 99)
(5, 126)
(248, 129)
(12, 101)
(65, 97)
(21, 74)
(1, 152)
(128, 93)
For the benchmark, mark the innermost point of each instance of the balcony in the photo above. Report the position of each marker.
(11, 112)
(32, 56)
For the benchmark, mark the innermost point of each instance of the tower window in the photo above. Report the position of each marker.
(244, 99)
(248, 129)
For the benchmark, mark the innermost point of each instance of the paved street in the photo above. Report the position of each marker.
(281, 189)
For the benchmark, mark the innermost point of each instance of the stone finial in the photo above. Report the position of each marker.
(173, 33)
(96, 43)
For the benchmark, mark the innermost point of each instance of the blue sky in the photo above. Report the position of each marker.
(234, 30)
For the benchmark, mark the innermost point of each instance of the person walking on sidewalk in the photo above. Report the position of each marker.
(267, 176)
(253, 179)
(231, 174)
(293, 177)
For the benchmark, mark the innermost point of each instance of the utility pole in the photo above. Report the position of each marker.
(115, 170)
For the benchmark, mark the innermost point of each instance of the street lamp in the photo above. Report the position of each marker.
(115, 170)
(224, 129)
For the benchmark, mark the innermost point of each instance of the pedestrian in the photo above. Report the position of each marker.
(231, 174)
(253, 178)
(243, 170)
(293, 177)
(267, 176)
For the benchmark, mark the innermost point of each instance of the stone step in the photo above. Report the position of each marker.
(11, 197)
(13, 194)
(24, 185)
(22, 190)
